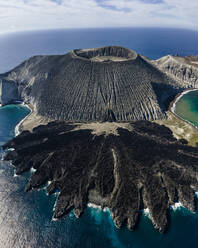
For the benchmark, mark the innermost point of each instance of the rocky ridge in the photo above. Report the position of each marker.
(183, 69)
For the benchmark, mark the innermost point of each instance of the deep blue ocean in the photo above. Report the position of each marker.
(26, 218)
(151, 42)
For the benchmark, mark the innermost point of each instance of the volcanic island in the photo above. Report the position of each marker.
(95, 132)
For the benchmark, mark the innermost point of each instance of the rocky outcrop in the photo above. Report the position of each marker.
(84, 85)
(182, 69)
(8, 91)
(124, 166)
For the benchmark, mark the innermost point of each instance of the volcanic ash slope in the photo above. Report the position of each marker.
(85, 85)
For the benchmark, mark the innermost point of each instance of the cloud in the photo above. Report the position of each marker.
(59, 2)
(51, 14)
(104, 4)
(152, 1)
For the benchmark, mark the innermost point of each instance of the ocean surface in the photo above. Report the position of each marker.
(26, 218)
(151, 42)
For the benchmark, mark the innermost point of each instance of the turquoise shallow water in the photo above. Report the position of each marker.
(187, 107)
(26, 218)
(9, 117)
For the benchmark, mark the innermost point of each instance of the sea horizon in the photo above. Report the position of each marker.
(153, 43)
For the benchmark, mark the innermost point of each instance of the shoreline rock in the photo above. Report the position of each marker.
(141, 167)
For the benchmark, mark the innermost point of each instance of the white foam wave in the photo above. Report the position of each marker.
(11, 149)
(92, 205)
(32, 170)
(98, 207)
(15, 175)
(176, 206)
(146, 212)
(3, 156)
(106, 210)
(56, 194)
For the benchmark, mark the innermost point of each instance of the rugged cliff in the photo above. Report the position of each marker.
(8, 91)
(182, 69)
(84, 85)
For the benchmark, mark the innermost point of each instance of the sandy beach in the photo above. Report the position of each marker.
(30, 121)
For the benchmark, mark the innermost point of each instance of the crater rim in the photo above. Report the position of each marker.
(105, 54)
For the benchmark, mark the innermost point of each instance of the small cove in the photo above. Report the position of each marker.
(187, 107)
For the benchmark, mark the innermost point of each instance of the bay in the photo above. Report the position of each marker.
(187, 107)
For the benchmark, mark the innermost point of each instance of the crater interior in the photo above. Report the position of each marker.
(106, 54)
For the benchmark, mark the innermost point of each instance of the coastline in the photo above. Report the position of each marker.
(99, 207)
(18, 128)
(173, 106)
(179, 96)
(31, 121)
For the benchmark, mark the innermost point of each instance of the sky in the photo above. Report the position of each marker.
(20, 15)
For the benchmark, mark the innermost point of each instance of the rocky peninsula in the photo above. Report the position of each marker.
(123, 166)
(97, 143)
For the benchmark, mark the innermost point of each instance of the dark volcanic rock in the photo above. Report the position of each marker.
(84, 84)
(124, 166)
